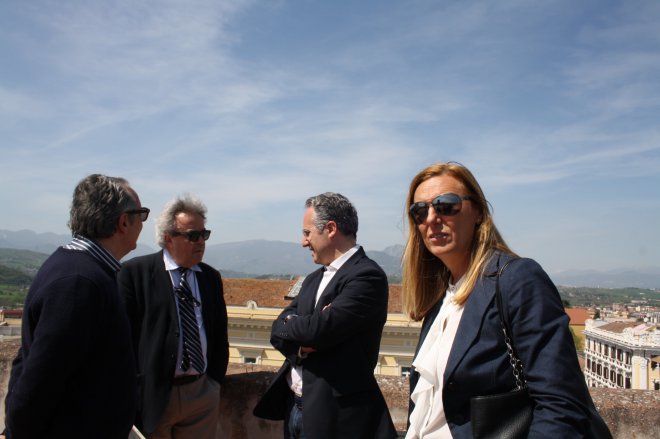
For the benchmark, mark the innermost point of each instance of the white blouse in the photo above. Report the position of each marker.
(427, 420)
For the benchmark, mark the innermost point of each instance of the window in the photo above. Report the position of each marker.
(250, 360)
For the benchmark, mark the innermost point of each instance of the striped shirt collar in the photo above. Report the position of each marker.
(81, 243)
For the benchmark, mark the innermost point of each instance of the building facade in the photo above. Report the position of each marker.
(252, 305)
(623, 355)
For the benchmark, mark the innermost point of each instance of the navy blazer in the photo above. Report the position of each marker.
(148, 294)
(478, 363)
(341, 397)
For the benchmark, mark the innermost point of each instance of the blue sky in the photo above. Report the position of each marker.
(256, 105)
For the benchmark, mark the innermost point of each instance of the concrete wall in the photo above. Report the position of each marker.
(631, 414)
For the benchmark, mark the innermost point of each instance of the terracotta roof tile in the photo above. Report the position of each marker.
(271, 293)
(577, 315)
(266, 293)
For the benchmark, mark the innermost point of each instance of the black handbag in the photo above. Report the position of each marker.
(504, 415)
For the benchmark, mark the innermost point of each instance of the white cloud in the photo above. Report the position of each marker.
(257, 106)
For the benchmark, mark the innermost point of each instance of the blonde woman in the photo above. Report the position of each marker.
(451, 260)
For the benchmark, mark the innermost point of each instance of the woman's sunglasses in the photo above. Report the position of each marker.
(445, 204)
(193, 235)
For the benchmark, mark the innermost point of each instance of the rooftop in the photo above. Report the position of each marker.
(273, 293)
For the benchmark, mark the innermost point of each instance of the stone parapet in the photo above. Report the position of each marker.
(630, 414)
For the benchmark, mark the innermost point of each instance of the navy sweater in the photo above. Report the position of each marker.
(74, 375)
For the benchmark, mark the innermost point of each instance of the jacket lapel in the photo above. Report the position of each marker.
(163, 284)
(426, 324)
(346, 266)
(307, 295)
(472, 318)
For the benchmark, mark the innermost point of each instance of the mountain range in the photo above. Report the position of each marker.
(263, 257)
(234, 259)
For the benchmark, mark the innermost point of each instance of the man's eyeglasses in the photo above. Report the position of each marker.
(142, 211)
(445, 204)
(193, 235)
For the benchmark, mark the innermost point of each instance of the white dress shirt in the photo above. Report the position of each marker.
(427, 419)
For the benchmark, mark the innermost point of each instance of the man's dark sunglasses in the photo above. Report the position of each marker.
(193, 235)
(142, 211)
(445, 204)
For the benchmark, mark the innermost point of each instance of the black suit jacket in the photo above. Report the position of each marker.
(340, 393)
(148, 295)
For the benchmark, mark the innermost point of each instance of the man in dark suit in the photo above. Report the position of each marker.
(74, 374)
(178, 318)
(330, 336)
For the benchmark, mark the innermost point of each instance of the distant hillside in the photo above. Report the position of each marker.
(23, 261)
(261, 257)
(621, 278)
(46, 243)
(11, 276)
(29, 240)
(264, 257)
(585, 296)
(282, 261)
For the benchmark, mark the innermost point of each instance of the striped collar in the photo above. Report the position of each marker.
(81, 243)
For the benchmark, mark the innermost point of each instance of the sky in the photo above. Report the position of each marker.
(253, 106)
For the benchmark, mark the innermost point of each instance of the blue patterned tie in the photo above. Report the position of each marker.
(192, 346)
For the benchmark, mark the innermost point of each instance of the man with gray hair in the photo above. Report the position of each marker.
(74, 375)
(178, 318)
(330, 336)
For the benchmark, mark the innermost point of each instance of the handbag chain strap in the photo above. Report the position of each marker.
(516, 364)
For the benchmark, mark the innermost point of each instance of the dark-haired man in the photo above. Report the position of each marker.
(74, 374)
(330, 336)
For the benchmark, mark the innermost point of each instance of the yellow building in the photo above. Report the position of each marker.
(252, 305)
(622, 355)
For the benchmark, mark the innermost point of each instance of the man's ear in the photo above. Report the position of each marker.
(332, 228)
(122, 222)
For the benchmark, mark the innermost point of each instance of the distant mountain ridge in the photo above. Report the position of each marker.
(265, 257)
(619, 278)
(235, 259)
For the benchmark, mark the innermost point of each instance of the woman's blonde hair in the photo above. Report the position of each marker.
(425, 277)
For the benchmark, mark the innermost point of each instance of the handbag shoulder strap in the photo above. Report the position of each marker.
(516, 364)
